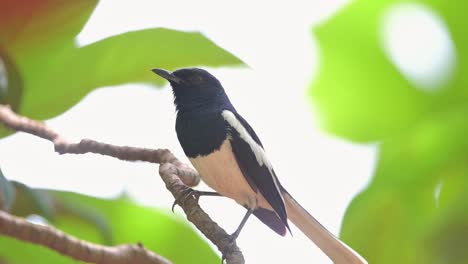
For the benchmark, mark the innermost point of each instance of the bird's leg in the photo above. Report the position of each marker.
(239, 229)
(191, 192)
(241, 225)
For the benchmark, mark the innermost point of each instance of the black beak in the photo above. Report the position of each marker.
(167, 75)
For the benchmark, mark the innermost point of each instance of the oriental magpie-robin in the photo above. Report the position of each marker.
(230, 158)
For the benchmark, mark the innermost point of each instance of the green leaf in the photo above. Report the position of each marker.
(404, 215)
(452, 13)
(42, 202)
(39, 38)
(359, 93)
(17, 252)
(448, 233)
(7, 193)
(124, 222)
(388, 225)
(116, 60)
(33, 201)
(86, 215)
(11, 86)
(394, 219)
(413, 210)
(34, 31)
(160, 231)
(10, 82)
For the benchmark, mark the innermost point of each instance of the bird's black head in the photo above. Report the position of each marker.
(194, 88)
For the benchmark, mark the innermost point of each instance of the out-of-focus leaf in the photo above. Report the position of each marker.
(160, 231)
(449, 243)
(415, 157)
(7, 193)
(10, 82)
(32, 34)
(452, 13)
(447, 236)
(387, 225)
(87, 215)
(120, 59)
(39, 37)
(88, 218)
(380, 216)
(33, 201)
(392, 221)
(10, 85)
(404, 216)
(34, 30)
(17, 252)
(359, 93)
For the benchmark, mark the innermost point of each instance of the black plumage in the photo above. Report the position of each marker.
(201, 129)
(230, 158)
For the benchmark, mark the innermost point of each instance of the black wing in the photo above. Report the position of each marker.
(260, 176)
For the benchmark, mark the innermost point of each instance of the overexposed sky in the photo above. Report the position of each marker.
(274, 38)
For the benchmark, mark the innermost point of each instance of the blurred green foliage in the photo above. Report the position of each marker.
(48, 72)
(43, 72)
(7, 193)
(109, 222)
(414, 209)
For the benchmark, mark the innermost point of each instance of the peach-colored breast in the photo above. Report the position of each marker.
(220, 171)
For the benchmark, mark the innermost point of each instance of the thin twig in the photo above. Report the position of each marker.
(176, 175)
(62, 146)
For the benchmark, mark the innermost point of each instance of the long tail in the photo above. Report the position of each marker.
(336, 250)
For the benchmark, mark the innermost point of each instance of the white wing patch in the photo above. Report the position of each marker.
(256, 148)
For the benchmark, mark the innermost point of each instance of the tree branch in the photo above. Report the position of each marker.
(176, 175)
(62, 146)
(70, 246)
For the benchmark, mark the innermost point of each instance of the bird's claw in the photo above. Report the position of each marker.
(232, 239)
(191, 192)
(183, 196)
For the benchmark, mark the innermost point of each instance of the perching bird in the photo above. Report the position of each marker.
(230, 158)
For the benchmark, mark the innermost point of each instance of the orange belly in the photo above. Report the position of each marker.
(220, 171)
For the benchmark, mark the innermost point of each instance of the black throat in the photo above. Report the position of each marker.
(200, 126)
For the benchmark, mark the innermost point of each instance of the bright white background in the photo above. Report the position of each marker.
(275, 40)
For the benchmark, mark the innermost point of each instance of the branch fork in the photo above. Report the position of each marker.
(177, 176)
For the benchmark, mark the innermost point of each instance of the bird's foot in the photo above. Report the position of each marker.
(194, 193)
(183, 196)
(232, 239)
(234, 235)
